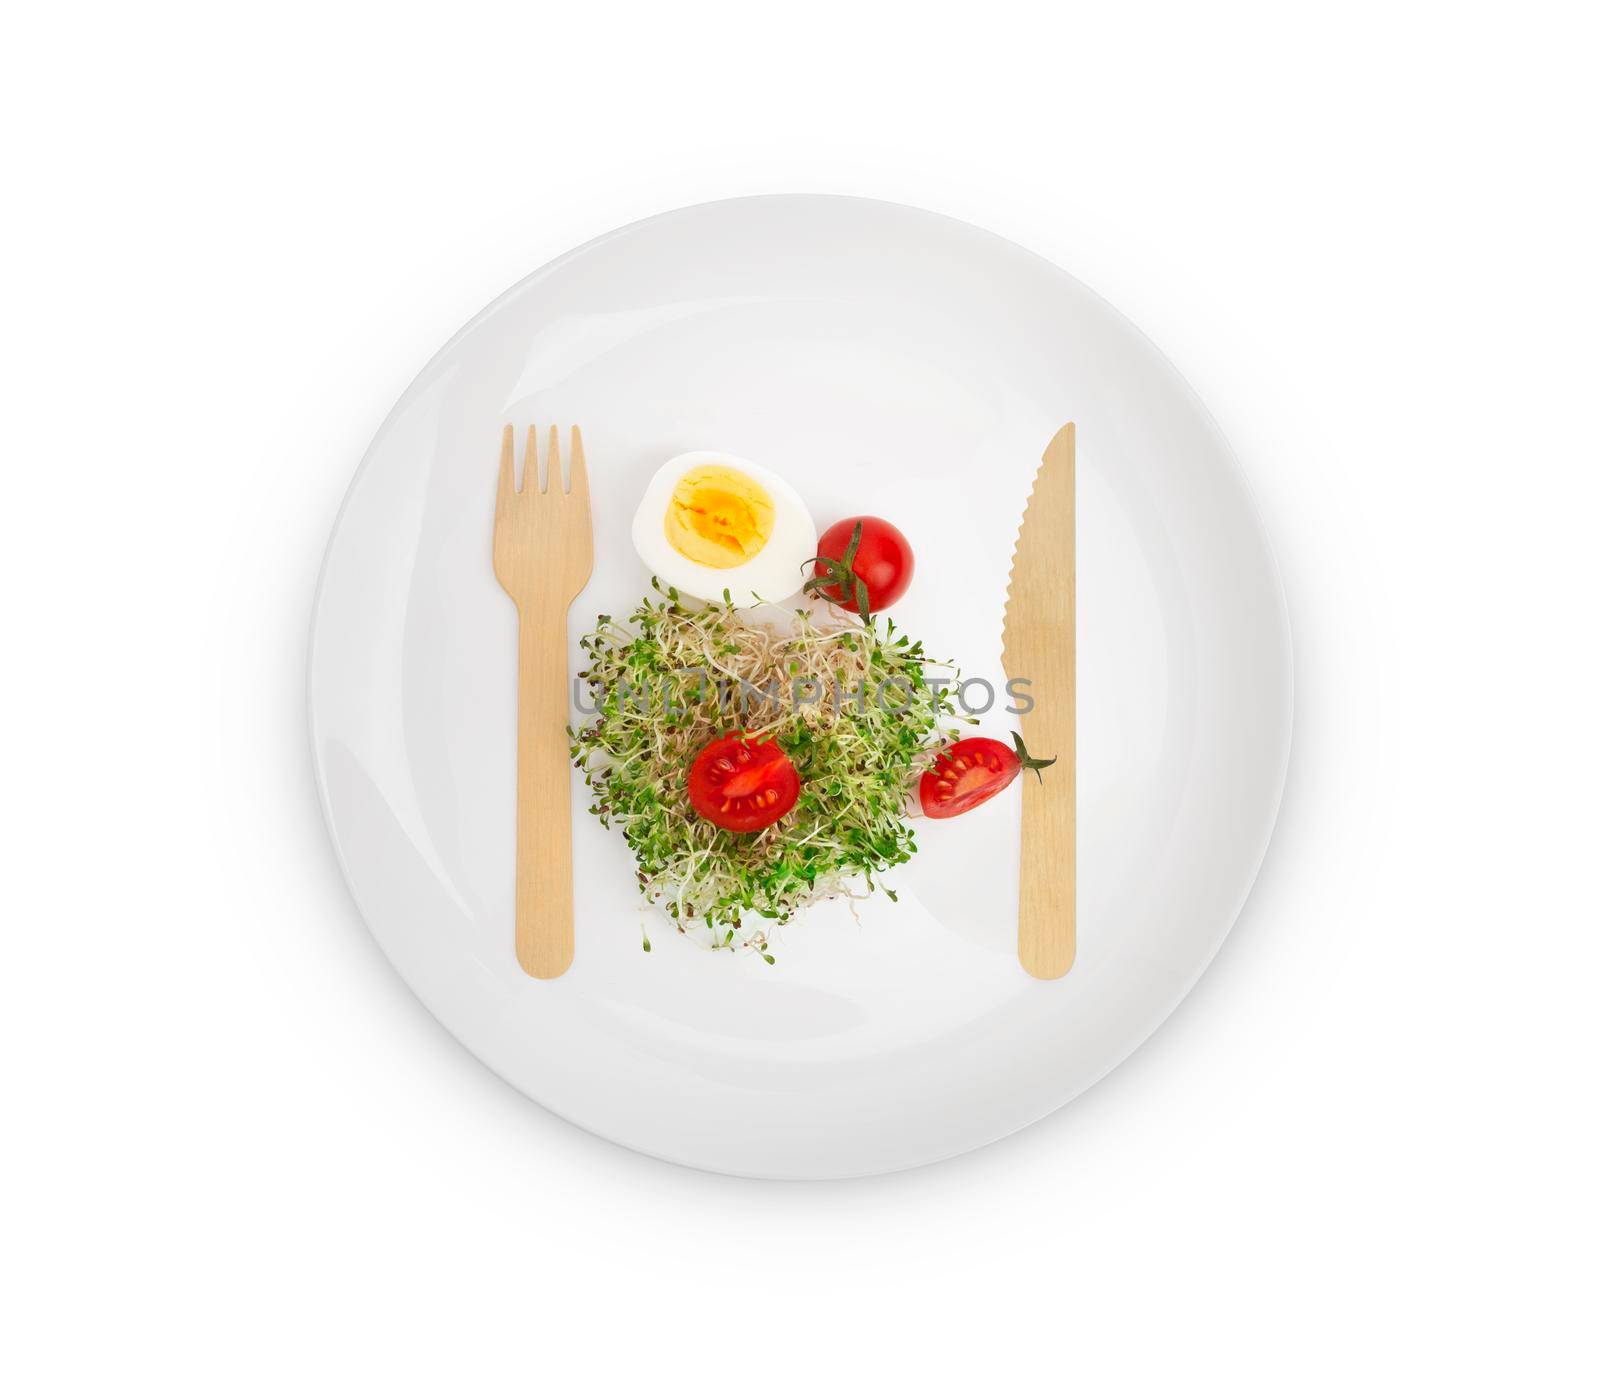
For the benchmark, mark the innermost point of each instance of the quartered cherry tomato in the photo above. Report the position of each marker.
(743, 784)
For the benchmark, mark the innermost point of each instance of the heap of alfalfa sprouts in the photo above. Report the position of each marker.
(849, 701)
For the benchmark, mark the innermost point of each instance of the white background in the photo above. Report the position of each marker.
(237, 1146)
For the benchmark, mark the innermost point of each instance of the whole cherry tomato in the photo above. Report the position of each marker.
(863, 563)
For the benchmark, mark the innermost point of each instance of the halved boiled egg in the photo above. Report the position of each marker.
(710, 522)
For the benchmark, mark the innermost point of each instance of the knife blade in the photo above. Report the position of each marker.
(1040, 648)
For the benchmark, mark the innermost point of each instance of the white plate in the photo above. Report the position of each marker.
(886, 361)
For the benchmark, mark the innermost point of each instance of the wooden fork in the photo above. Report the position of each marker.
(543, 555)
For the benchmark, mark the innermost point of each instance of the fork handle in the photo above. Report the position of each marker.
(544, 796)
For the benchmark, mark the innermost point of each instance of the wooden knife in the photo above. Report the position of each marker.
(1041, 648)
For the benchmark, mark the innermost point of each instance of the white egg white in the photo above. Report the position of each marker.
(773, 573)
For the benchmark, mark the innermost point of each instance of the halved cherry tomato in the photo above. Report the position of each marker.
(743, 784)
(968, 773)
(880, 566)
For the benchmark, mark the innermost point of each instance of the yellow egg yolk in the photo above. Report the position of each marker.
(718, 517)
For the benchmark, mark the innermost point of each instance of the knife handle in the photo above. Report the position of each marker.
(1047, 911)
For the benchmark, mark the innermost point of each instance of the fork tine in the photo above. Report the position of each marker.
(577, 470)
(553, 483)
(508, 473)
(530, 463)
